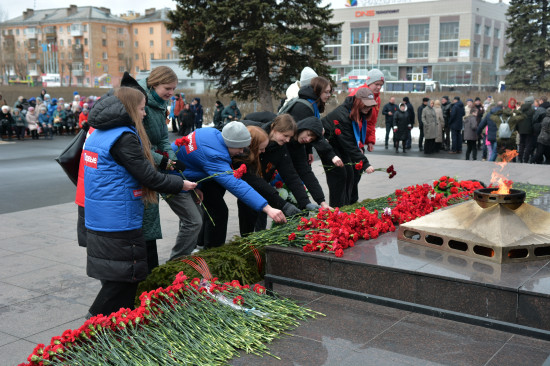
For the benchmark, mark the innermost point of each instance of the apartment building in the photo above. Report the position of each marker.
(86, 46)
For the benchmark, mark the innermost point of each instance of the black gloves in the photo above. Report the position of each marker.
(290, 210)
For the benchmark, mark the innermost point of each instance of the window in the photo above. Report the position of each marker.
(152, 56)
(86, 54)
(87, 67)
(121, 68)
(150, 30)
(136, 43)
(168, 56)
(497, 33)
(70, 55)
(477, 28)
(496, 59)
(120, 56)
(135, 31)
(106, 68)
(137, 56)
(69, 42)
(120, 30)
(62, 55)
(487, 30)
(17, 31)
(359, 43)
(85, 41)
(104, 42)
(448, 39)
(388, 43)
(476, 49)
(77, 41)
(60, 29)
(104, 55)
(486, 52)
(120, 43)
(137, 68)
(61, 42)
(419, 35)
(151, 43)
(168, 43)
(334, 46)
(103, 29)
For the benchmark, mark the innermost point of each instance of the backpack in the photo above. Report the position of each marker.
(288, 106)
(504, 131)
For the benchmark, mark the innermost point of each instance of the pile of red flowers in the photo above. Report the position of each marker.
(150, 309)
(334, 231)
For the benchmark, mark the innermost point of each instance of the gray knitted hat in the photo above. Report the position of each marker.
(236, 135)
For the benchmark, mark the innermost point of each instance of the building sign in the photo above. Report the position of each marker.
(464, 43)
(371, 13)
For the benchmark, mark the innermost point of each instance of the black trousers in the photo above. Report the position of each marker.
(247, 218)
(113, 296)
(340, 181)
(152, 255)
(389, 128)
(471, 148)
(81, 231)
(213, 236)
(542, 150)
(429, 146)
(421, 137)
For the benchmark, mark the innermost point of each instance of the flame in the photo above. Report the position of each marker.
(504, 184)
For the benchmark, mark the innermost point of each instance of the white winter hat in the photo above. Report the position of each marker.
(374, 75)
(5, 109)
(306, 76)
(236, 135)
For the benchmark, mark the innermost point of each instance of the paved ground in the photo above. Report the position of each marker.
(45, 289)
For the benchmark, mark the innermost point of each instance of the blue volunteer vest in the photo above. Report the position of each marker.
(113, 196)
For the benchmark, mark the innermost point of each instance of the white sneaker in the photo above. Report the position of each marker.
(196, 250)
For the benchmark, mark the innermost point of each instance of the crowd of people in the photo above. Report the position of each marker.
(43, 116)
(128, 161)
(487, 128)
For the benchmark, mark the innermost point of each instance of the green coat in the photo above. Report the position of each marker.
(513, 117)
(155, 126)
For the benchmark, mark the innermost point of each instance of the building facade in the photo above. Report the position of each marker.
(455, 42)
(86, 46)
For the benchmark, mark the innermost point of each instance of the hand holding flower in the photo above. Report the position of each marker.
(370, 170)
(188, 185)
(276, 215)
(370, 146)
(337, 161)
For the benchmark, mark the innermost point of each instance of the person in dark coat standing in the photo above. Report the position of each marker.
(196, 108)
(543, 141)
(186, 121)
(525, 129)
(119, 176)
(491, 134)
(446, 108)
(538, 117)
(425, 102)
(388, 111)
(410, 112)
(456, 125)
(470, 134)
(218, 120)
(401, 127)
(231, 113)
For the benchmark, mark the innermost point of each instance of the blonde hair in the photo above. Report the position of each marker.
(161, 75)
(437, 103)
(131, 99)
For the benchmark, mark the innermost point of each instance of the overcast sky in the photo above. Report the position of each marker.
(17, 7)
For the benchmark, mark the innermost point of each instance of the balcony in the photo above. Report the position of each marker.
(77, 69)
(78, 52)
(50, 32)
(77, 30)
(33, 45)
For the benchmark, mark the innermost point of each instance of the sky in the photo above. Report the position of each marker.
(117, 6)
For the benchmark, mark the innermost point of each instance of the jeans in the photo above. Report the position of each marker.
(184, 206)
(492, 150)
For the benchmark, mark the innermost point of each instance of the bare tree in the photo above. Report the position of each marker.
(70, 67)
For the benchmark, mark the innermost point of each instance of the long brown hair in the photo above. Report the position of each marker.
(161, 75)
(131, 99)
(319, 85)
(283, 123)
(259, 136)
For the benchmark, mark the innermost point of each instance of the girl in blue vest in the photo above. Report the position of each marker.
(119, 179)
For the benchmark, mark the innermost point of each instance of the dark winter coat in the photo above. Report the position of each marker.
(544, 136)
(298, 154)
(233, 111)
(277, 157)
(470, 128)
(525, 125)
(488, 122)
(198, 111)
(446, 108)
(457, 116)
(122, 256)
(218, 120)
(6, 119)
(186, 120)
(410, 110)
(538, 116)
(390, 107)
(263, 117)
(419, 115)
(344, 143)
(401, 120)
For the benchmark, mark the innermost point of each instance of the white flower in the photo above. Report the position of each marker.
(387, 211)
(283, 193)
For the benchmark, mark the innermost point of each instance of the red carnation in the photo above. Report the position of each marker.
(390, 169)
(392, 174)
(238, 173)
(442, 185)
(238, 300)
(279, 184)
(339, 252)
(454, 190)
(292, 236)
(359, 165)
(336, 122)
(443, 179)
(182, 141)
(337, 132)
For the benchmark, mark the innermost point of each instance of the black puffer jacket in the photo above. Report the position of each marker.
(544, 136)
(402, 121)
(344, 143)
(277, 157)
(298, 154)
(525, 125)
(122, 256)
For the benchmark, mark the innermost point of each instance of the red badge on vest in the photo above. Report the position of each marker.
(192, 146)
(90, 159)
(137, 193)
